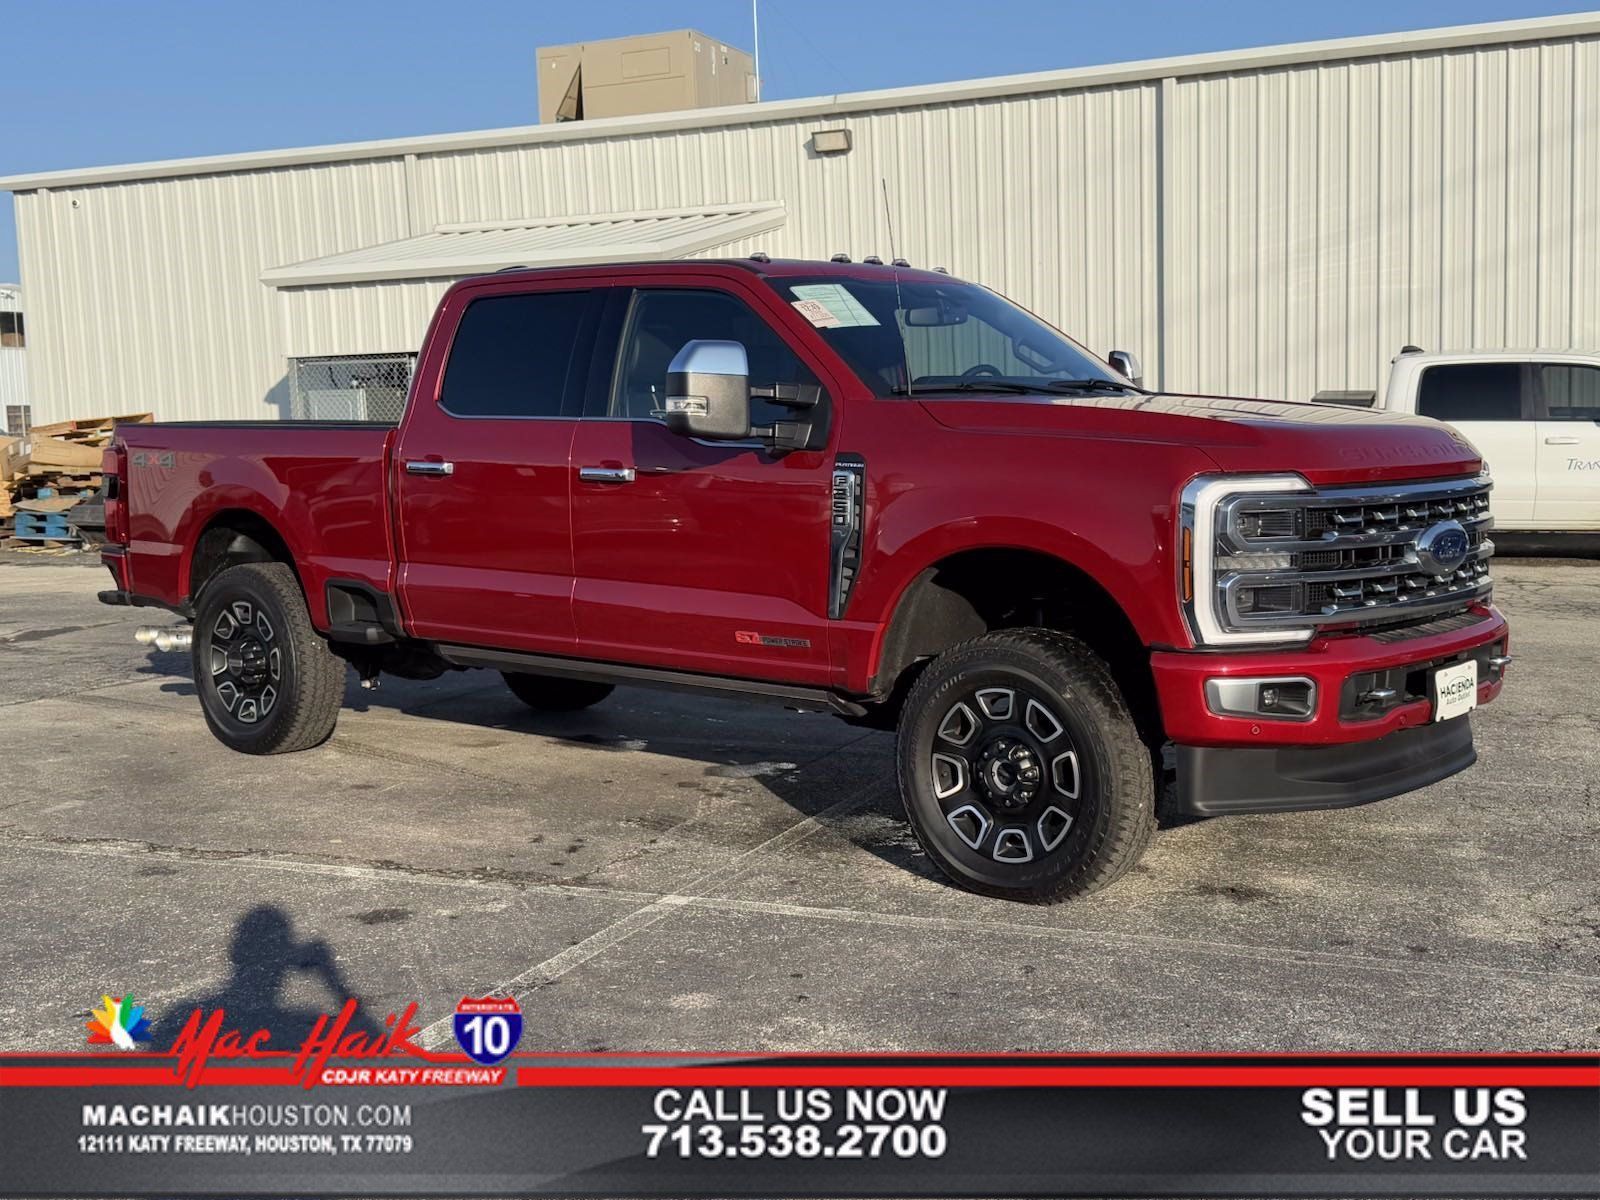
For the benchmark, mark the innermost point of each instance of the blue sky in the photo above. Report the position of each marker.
(90, 82)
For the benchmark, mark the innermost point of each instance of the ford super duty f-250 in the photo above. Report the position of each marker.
(870, 489)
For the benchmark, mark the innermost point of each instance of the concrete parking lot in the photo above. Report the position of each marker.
(665, 872)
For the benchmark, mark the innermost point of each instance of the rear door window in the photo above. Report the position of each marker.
(513, 356)
(1571, 392)
(1457, 392)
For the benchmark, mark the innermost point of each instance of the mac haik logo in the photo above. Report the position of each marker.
(349, 1035)
(121, 1023)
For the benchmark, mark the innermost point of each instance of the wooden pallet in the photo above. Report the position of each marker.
(44, 527)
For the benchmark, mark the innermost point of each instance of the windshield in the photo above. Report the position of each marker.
(948, 336)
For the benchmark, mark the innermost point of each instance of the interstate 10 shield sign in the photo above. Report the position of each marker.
(488, 1029)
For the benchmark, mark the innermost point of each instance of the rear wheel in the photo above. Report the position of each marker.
(547, 693)
(268, 683)
(1021, 771)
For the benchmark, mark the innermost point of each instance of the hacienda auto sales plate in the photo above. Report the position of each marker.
(1455, 690)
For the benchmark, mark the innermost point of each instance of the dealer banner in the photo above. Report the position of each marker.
(375, 1113)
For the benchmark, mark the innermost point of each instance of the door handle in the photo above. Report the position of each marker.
(1561, 441)
(424, 467)
(606, 474)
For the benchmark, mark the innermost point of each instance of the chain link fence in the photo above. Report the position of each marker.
(366, 387)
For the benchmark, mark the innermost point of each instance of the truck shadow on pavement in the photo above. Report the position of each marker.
(794, 757)
(779, 749)
(266, 957)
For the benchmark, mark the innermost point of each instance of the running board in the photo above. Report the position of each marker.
(653, 677)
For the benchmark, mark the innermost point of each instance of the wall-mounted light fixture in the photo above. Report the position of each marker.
(830, 141)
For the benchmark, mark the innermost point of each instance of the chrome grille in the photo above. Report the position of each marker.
(1342, 556)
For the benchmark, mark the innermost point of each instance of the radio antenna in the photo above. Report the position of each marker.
(888, 219)
(899, 305)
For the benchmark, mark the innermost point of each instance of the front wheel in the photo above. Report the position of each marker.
(268, 683)
(1022, 773)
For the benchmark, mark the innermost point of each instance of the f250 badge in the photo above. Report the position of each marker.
(746, 637)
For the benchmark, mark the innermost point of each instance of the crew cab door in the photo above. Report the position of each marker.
(483, 510)
(695, 555)
(1491, 404)
(1569, 446)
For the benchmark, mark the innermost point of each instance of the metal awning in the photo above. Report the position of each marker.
(453, 251)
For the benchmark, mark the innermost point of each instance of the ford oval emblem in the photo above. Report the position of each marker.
(1442, 548)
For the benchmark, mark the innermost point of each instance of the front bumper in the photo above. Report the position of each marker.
(1214, 781)
(1338, 666)
(1344, 752)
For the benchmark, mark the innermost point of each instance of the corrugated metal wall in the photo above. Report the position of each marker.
(13, 361)
(13, 380)
(1321, 217)
(148, 295)
(1275, 231)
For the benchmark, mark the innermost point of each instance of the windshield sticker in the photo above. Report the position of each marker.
(817, 313)
(841, 309)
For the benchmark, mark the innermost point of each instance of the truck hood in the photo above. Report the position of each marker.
(1325, 443)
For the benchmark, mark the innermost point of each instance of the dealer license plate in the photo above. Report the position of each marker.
(1455, 690)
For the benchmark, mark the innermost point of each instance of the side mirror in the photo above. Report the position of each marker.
(1126, 363)
(708, 391)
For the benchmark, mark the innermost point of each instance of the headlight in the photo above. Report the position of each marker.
(1201, 553)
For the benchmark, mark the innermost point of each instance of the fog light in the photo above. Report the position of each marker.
(1281, 698)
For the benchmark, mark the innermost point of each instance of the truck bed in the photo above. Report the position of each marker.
(321, 484)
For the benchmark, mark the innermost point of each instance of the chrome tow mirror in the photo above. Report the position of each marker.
(708, 391)
(1126, 364)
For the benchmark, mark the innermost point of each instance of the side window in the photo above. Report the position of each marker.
(1471, 392)
(662, 321)
(1571, 392)
(511, 355)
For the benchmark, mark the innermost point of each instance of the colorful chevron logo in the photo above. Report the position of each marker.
(120, 1023)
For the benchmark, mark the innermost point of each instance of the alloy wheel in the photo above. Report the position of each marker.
(1005, 774)
(246, 662)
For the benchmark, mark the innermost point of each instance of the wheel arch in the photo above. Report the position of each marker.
(232, 535)
(980, 589)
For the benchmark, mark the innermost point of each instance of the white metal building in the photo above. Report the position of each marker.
(14, 410)
(1271, 221)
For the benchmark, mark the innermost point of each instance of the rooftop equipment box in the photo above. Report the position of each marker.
(657, 72)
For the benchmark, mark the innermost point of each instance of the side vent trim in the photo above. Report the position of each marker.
(845, 520)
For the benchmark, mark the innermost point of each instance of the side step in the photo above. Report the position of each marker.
(656, 677)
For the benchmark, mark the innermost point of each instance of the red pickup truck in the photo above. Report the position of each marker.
(871, 489)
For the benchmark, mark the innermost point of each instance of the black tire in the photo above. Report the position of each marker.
(548, 693)
(1054, 795)
(268, 683)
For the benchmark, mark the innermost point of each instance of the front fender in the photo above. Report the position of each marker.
(1135, 570)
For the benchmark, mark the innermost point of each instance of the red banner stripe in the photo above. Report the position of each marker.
(1130, 1076)
(137, 1076)
(801, 1075)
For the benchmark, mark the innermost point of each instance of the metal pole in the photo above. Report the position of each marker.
(755, 25)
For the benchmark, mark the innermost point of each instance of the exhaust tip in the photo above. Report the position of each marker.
(179, 637)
